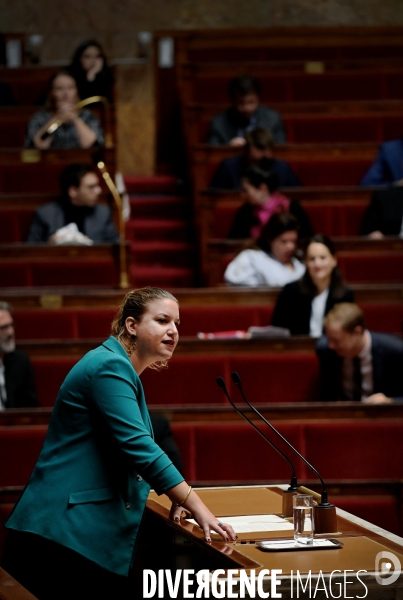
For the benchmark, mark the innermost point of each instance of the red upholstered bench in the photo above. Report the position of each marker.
(378, 510)
(339, 171)
(235, 452)
(64, 323)
(338, 127)
(95, 324)
(195, 319)
(49, 376)
(15, 274)
(356, 450)
(19, 447)
(189, 380)
(276, 377)
(387, 317)
(55, 324)
(360, 267)
(15, 224)
(30, 177)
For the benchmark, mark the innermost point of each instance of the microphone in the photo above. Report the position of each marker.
(326, 520)
(287, 507)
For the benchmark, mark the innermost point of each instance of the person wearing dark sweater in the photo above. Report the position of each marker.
(302, 305)
(245, 113)
(91, 71)
(259, 145)
(78, 204)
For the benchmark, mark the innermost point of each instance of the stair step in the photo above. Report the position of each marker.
(165, 277)
(152, 185)
(159, 206)
(164, 230)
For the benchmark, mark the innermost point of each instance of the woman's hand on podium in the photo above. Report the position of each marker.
(196, 509)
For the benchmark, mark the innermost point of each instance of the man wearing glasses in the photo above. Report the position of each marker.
(16, 375)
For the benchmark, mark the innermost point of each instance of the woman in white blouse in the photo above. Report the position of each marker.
(271, 261)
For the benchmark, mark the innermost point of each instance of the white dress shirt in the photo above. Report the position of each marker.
(3, 393)
(318, 307)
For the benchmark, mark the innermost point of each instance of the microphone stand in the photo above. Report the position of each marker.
(292, 490)
(325, 517)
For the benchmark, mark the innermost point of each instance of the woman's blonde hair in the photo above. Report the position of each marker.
(134, 305)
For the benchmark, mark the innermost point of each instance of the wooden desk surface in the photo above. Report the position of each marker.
(361, 541)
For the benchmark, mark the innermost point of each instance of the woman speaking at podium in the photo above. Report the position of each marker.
(73, 532)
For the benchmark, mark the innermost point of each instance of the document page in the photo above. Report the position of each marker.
(251, 523)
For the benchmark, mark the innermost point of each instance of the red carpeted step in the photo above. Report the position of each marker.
(171, 207)
(165, 277)
(151, 185)
(163, 229)
(163, 253)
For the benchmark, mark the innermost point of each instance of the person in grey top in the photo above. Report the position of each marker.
(245, 114)
(79, 129)
(78, 204)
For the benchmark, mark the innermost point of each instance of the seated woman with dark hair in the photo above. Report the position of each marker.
(260, 184)
(91, 71)
(78, 128)
(271, 260)
(302, 305)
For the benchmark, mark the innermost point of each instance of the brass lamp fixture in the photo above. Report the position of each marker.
(123, 281)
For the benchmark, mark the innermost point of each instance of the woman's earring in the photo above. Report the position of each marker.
(132, 346)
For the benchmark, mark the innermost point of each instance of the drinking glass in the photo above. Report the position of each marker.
(303, 518)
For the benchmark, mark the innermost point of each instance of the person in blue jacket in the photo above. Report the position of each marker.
(73, 531)
(387, 167)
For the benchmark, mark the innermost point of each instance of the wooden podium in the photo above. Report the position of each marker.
(167, 545)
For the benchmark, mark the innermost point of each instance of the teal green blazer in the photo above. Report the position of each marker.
(89, 487)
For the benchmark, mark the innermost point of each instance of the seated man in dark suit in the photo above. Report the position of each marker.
(246, 113)
(77, 205)
(16, 375)
(384, 214)
(357, 364)
(388, 164)
(259, 144)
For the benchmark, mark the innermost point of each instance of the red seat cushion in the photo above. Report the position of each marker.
(356, 450)
(56, 324)
(235, 452)
(382, 511)
(49, 376)
(189, 380)
(276, 377)
(20, 447)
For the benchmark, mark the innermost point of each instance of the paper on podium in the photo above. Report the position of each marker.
(251, 523)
